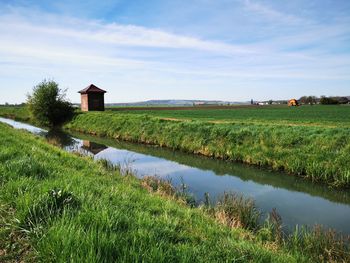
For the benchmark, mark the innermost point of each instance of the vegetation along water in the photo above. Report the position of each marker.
(54, 205)
(291, 140)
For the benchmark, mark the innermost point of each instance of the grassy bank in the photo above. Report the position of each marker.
(18, 113)
(309, 141)
(320, 154)
(58, 207)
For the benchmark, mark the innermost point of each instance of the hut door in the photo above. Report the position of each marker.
(96, 103)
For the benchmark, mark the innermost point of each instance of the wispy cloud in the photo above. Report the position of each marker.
(272, 13)
(112, 33)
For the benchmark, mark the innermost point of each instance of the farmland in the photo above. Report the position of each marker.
(318, 115)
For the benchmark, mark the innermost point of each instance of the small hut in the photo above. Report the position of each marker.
(92, 98)
(293, 102)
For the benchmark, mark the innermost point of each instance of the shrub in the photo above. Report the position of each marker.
(48, 106)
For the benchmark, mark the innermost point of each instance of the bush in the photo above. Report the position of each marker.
(48, 106)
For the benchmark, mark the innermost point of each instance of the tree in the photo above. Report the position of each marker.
(47, 104)
(328, 100)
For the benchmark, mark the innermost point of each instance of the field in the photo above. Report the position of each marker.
(337, 116)
(59, 207)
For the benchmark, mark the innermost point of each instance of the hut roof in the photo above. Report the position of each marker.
(92, 89)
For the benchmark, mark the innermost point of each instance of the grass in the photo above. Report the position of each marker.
(59, 207)
(318, 115)
(19, 113)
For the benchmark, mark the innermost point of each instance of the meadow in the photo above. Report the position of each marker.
(319, 115)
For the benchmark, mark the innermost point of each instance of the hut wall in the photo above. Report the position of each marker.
(84, 102)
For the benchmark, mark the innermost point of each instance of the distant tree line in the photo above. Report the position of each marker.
(323, 100)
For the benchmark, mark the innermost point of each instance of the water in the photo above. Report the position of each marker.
(298, 201)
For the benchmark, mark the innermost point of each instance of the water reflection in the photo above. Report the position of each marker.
(93, 147)
(298, 201)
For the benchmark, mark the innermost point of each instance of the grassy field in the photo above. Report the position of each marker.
(321, 115)
(59, 207)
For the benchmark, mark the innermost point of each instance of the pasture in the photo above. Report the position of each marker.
(320, 115)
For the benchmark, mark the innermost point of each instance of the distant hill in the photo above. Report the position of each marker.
(177, 103)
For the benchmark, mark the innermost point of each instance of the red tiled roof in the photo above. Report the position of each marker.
(92, 89)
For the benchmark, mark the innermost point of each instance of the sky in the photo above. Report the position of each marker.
(231, 50)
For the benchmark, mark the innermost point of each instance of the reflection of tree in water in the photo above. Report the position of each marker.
(93, 147)
(59, 138)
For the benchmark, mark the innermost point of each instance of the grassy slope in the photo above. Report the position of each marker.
(312, 141)
(111, 219)
(318, 153)
(19, 113)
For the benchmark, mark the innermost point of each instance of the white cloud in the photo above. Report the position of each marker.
(116, 34)
(271, 13)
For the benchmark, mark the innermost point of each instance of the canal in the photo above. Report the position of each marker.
(298, 201)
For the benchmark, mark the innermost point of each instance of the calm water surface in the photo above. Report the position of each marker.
(298, 201)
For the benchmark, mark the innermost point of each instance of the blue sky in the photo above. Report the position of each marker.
(231, 50)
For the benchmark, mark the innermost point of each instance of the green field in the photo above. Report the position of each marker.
(327, 115)
(59, 207)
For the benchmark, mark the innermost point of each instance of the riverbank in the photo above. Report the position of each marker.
(319, 154)
(56, 206)
(299, 144)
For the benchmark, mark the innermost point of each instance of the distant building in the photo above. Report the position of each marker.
(92, 99)
(293, 102)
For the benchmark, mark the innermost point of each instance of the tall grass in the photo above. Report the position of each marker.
(235, 211)
(319, 154)
(79, 211)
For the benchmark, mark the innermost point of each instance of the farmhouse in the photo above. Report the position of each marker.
(92, 98)
(293, 102)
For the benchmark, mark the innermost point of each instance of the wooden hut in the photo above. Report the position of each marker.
(293, 102)
(92, 98)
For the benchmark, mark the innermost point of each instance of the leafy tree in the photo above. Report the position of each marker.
(48, 105)
(328, 100)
